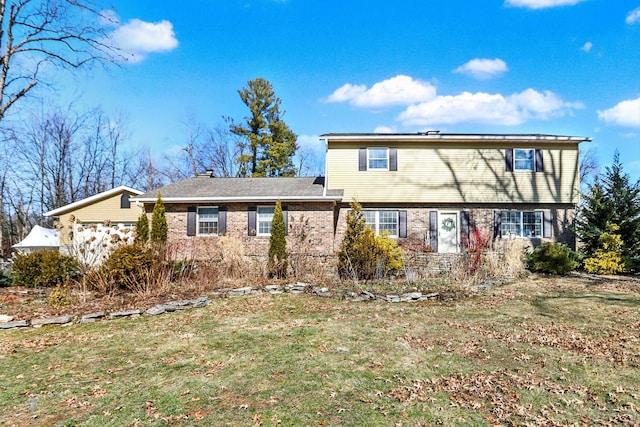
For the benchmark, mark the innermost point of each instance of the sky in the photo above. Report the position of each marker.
(564, 67)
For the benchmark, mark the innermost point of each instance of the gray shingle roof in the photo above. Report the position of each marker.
(206, 188)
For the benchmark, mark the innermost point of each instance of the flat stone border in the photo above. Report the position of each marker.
(294, 288)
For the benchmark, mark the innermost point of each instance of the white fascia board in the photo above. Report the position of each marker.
(91, 199)
(452, 137)
(238, 199)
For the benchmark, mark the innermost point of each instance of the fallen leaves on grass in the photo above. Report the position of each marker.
(620, 345)
(497, 394)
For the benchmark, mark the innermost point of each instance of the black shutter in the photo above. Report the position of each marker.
(464, 226)
(433, 230)
(508, 158)
(285, 215)
(191, 220)
(393, 159)
(222, 221)
(402, 224)
(362, 159)
(251, 221)
(124, 201)
(547, 223)
(539, 161)
(497, 223)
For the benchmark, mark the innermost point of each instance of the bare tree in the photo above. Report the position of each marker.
(34, 33)
(589, 167)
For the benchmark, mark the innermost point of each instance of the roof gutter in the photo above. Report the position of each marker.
(324, 198)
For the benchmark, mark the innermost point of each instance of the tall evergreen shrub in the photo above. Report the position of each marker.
(277, 263)
(159, 229)
(142, 229)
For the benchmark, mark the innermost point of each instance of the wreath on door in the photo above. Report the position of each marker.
(448, 224)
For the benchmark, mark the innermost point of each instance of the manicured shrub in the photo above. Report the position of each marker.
(277, 263)
(553, 258)
(609, 258)
(142, 229)
(128, 266)
(44, 269)
(159, 228)
(364, 255)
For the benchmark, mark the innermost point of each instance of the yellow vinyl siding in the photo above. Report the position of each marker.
(452, 172)
(98, 212)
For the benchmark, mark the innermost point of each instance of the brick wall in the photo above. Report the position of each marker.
(317, 229)
(310, 230)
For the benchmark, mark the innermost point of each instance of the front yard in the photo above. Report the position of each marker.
(541, 351)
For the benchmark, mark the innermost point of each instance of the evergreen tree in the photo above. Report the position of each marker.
(347, 257)
(277, 264)
(612, 199)
(269, 144)
(159, 228)
(142, 229)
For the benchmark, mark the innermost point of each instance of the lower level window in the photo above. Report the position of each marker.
(265, 217)
(521, 224)
(382, 221)
(207, 220)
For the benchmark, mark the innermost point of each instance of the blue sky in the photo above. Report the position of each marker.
(569, 67)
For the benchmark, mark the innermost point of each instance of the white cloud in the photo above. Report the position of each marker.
(625, 113)
(485, 108)
(633, 17)
(398, 90)
(483, 68)
(137, 38)
(385, 129)
(586, 47)
(541, 4)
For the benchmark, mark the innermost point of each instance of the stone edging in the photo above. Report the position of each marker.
(7, 322)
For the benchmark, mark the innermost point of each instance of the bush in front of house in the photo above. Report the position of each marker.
(44, 269)
(5, 278)
(364, 255)
(609, 258)
(128, 266)
(277, 263)
(552, 258)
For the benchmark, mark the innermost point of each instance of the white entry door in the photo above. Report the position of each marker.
(448, 232)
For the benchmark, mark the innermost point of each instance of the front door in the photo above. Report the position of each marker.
(448, 232)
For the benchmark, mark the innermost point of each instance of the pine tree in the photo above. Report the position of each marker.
(612, 199)
(142, 229)
(277, 264)
(269, 144)
(159, 228)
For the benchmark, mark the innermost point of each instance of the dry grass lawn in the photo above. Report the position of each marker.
(542, 351)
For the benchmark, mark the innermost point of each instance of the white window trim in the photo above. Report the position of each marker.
(198, 233)
(521, 223)
(376, 225)
(533, 167)
(258, 233)
(377, 158)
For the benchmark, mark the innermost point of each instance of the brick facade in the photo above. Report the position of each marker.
(317, 229)
(310, 230)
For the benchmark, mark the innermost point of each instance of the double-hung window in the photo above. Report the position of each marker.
(382, 221)
(524, 159)
(378, 158)
(264, 219)
(521, 224)
(207, 220)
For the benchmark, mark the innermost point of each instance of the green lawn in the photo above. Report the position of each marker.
(539, 352)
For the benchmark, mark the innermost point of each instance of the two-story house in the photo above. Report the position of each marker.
(437, 186)
(428, 186)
